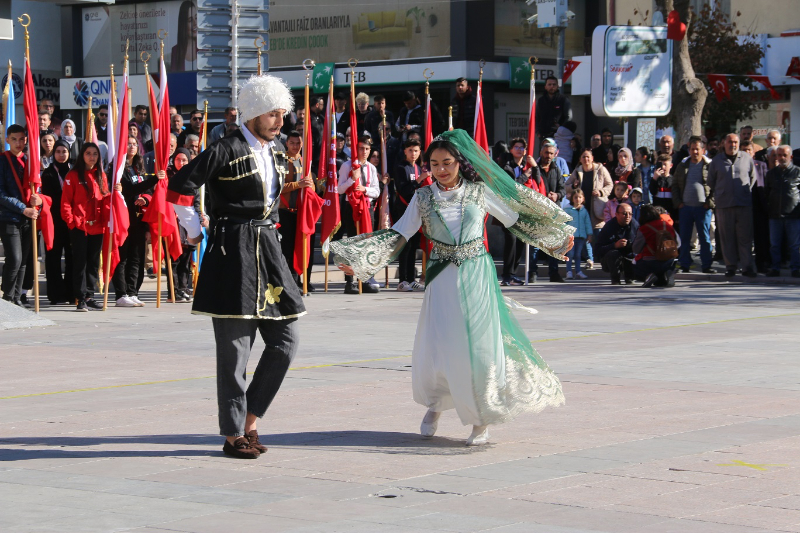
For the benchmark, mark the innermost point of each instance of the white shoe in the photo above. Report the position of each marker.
(569, 275)
(581, 275)
(125, 302)
(414, 286)
(480, 436)
(429, 424)
(589, 265)
(402, 286)
(137, 301)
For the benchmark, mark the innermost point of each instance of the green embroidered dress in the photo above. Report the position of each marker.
(469, 353)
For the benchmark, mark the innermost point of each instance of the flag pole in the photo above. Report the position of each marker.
(107, 266)
(450, 119)
(88, 126)
(10, 87)
(386, 185)
(532, 60)
(306, 154)
(155, 243)
(258, 51)
(34, 230)
(170, 278)
(352, 62)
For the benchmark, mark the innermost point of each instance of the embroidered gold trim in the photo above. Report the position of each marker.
(250, 155)
(251, 317)
(240, 176)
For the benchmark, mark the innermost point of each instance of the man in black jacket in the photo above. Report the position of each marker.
(614, 245)
(412, 116)
(464, 107)
(547, 171)
(375, 118)
(552, 110)
(783, 198)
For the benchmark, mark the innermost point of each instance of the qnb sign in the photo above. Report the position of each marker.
(99, 89)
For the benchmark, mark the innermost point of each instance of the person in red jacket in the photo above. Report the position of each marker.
(82, 210)
(656, 268)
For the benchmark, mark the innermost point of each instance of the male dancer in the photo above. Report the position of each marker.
(245, 284)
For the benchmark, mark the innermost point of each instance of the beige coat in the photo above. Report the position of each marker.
(602, 183)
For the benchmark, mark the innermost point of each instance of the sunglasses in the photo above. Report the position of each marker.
(102, 114)
(197, 119)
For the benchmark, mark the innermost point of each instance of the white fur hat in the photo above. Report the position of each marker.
(262, 94)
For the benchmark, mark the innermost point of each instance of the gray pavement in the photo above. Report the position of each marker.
(682, 415)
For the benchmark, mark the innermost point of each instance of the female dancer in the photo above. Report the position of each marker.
(469, 352)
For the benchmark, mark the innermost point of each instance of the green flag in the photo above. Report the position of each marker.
(322, 74)
(519, 73)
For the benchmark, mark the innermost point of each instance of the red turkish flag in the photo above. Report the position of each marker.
(719, 84)
(764, 80)
(428, 123)
(309, 204)
(676, 29)
(331, 215)
(480, 125)
(358, 200)
(794, 68)
(569, 68)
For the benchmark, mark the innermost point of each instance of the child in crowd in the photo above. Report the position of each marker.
(619, 196)
(582, 223)
(635, 202)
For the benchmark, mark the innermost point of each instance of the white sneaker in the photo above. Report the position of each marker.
(137, 301)
(569, 275)
(480, 436)
(414, 286)
(402, 286)
(125, 302)
(581, 275)
(589, 264)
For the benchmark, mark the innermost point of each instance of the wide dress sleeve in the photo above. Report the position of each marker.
(367, 254)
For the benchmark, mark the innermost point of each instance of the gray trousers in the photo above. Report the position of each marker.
(736, 236)
(235, 337)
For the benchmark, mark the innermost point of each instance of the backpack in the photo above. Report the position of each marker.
(666, 246)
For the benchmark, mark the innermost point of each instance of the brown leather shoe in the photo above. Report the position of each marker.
(240, 449)
(252, 439)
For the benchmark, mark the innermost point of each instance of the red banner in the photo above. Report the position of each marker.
(309, 204)
(719, 83)
(480, 125)
(331, 216)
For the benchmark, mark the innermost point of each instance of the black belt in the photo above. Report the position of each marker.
(266, 224)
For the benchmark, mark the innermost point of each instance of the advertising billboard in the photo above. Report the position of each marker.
(107, 28)
(370, 30)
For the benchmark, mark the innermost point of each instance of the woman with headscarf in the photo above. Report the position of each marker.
(470, 354)
(75, 143)
(59, 286)
(47, 142)
(86, 215)
(626, 171)
(129, 274)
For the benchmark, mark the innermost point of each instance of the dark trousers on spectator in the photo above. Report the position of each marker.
(129, 274)
(552, 262)
(778, 228)
(85, 262)
(182, 269)
(408, 259)
(16, 239)
(59, 285)
(736, 233)
(513, 251)
(662, 269)
(700, 218)
(761, 232)
(235, 337)
(615, 263)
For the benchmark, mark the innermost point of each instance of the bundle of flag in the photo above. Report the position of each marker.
(159, 204)
(331, 216)
(309, 204)
(9, 116)
(119, 222)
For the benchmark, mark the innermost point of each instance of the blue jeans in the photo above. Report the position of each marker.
(791, 228)
(700, 218)
(575, 254)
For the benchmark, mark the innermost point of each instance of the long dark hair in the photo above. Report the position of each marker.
(80, 168)
(137, 162)
(465, 168)
(183, 36)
